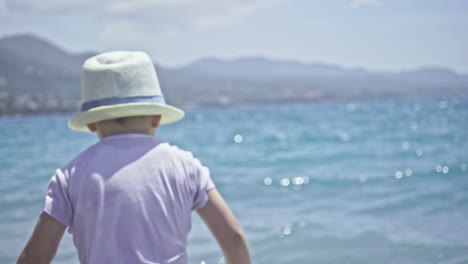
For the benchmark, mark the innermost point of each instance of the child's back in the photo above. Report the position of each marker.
(130, 194)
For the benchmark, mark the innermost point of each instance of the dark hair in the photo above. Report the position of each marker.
(120, 121)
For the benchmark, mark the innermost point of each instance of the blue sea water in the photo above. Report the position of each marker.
(383, 181)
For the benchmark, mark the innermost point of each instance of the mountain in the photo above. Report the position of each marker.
(38, 76)
(260, 80)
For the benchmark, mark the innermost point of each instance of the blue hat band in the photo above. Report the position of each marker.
(122, 100)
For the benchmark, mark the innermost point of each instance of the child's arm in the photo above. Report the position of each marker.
(224, 226)
(44, 241)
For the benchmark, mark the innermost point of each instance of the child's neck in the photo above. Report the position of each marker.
(104, 134)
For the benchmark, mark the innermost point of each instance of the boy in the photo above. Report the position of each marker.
(129, 197)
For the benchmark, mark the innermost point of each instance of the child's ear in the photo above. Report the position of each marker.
(155, 121)
(92, 127)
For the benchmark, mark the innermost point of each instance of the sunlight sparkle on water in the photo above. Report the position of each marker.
(398, 174)
(445, 169)
(267, 181)
(405, 145)
(363, 178)
(238, 138)
(298, 180)
(343, 136)
(285, 182)
(408, 172)
(419, 152)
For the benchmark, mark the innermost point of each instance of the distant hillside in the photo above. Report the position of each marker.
(37, 76)
(259, 80)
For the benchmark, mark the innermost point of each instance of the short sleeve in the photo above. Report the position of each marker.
(57, 201)
(203, 183)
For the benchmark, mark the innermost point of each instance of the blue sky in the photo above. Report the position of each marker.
(373, 34)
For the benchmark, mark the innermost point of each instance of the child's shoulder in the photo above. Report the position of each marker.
(179, 156)
(82, 156)
(175, 151)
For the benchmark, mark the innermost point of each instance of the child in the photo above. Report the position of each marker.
(129, 197)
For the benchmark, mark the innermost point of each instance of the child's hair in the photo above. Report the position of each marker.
(121, 120)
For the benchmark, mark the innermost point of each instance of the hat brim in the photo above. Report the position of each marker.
(169, 114)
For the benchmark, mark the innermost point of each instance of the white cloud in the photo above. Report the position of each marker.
(361, 3)
(180, 14)
(125, 23)
(144, 24)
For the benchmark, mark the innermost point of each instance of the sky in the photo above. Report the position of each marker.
(389, 35)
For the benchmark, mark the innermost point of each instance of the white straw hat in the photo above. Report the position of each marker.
(121, 84)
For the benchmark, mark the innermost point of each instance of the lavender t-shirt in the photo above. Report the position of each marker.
(128, 199)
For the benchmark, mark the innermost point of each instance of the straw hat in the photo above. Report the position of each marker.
(121, 84)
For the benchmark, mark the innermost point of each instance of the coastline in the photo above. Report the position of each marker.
(254, 103)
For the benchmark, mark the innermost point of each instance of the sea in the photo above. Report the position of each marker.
(366, 181)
